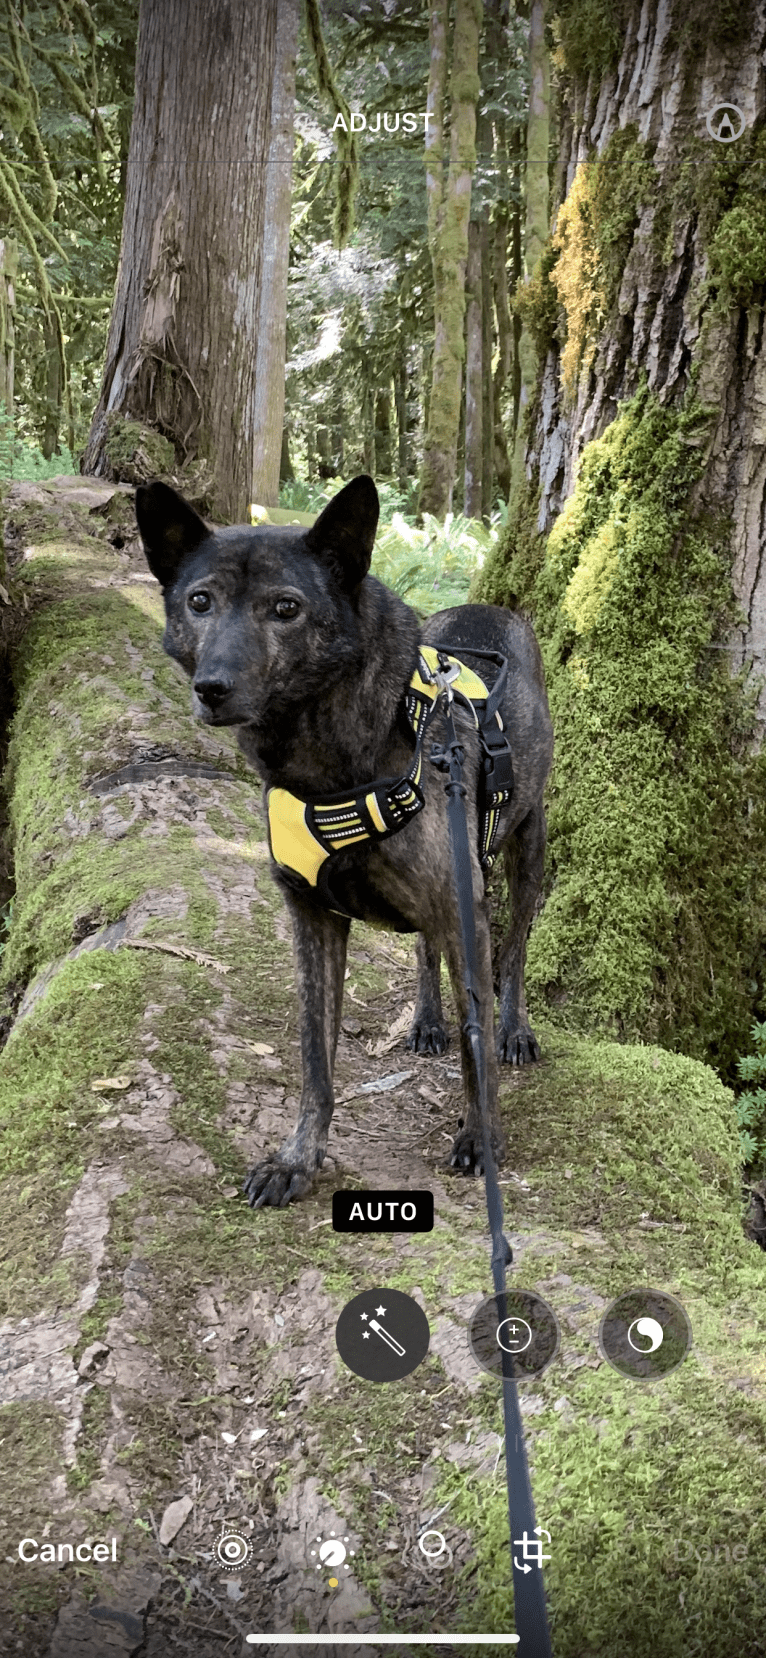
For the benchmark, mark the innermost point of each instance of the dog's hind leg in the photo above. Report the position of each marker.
(319, 948)
(468, 1150)
(516, 1042)
(426, 1033)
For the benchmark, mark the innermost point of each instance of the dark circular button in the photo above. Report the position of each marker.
(382, 1335)
(529, 1331)
(645, 1334)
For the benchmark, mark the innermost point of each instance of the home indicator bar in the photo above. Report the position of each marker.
(382, 1640)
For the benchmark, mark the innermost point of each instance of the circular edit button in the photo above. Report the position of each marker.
(529, 1331)
(645, 1334)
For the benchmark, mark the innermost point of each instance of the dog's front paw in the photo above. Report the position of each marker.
(519, 1047)
(467, 1155)
(276, 1183)
(427, 1037)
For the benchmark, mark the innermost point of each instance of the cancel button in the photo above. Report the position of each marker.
(383, 1211)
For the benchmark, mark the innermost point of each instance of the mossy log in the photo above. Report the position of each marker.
(163, 1346)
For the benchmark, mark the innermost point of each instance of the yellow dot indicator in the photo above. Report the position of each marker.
(333, 1582)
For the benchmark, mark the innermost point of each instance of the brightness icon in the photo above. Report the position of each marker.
(332, 1551)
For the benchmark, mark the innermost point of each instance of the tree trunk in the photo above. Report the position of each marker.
(504, 320)
(383, 452)
(474, 390)
(286, 470)
(537, 207)
(181, 350)
(672, 315)
(449, 205)
(645, 468)
(272, 330)
(367, 422)
(50, 438)
(338, 433)
(9, 262)
(401, 381)
(487, 412)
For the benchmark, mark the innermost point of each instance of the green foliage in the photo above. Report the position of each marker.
(751, 1105)
(431, 567)
(653, 923)
(20, 458)
(66, 89)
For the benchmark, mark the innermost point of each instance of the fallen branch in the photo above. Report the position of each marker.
(176, 950)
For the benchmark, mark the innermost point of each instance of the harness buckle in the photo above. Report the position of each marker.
(445, 674)
(497, 760)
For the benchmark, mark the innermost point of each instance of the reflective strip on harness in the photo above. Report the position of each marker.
(304, 834)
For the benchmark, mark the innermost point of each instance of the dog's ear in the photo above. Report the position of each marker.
(169, 528)
(344, 534)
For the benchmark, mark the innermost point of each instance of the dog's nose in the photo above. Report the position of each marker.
(212, 691)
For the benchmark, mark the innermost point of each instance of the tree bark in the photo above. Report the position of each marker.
(50, 439)
(401, 382)
(9, 261)
(537, 202)
(181, 350)
(474, 391)
(449, 205)
(669, 319)
(504, 321)
(272, 327)
(383, 454)
(487, 411)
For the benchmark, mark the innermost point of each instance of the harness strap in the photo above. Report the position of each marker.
(304, 834)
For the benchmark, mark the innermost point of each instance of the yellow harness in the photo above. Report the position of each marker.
(304, 834)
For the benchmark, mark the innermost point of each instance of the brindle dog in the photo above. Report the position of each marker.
(285, 635)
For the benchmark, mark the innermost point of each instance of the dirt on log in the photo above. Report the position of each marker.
(167, 1359)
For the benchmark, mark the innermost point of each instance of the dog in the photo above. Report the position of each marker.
(286, 636)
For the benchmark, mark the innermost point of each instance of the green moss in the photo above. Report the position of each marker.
(136, 452)
(94, 1430)
(30, 1446)
(593, 31)
(655, 885)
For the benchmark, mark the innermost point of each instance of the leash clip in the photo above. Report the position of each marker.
(444, 675)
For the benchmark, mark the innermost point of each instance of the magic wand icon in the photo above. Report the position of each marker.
(384, 1335)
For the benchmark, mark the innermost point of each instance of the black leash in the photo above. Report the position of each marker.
(528, 1587)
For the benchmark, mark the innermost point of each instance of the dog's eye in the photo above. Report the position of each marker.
(199, 602)
(286, 609)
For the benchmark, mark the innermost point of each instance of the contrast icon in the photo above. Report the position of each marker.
(725, 123)
(645, 1334)
(382, 1335)
(232, 1551)
(528, 1331)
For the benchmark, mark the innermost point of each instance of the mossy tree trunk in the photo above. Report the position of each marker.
(636, 538)
(181, 349)
(672, 222)
(53, 390)
(449, 205)
(474, 388)
(537, 203)
(383, 451)
(272, 327)
(9, 259)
